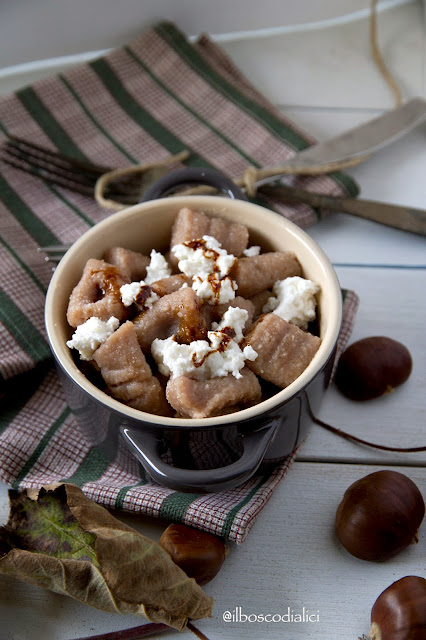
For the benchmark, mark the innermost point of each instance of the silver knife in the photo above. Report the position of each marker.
(391, 215)
(361, 140)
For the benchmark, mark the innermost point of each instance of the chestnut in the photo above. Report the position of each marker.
(399, 613)
(379, 515)
(372, 367)
(198, 553)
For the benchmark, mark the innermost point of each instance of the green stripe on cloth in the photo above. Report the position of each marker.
(176, 504)
(177, 40)
(25, 334)
(47, 121)
(17, 391)
(92, 468)
(198, 116)
(58, 194)
(229, 520)
(26, 217)
(70, 205)
(141, 116)
(43, 443)
(23, 265)
(121, 495)
(346, 182)
(95, 121)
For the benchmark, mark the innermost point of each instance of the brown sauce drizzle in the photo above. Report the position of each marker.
(214, 283)
(188, 332)
(109, 281)
(200, 243)
(143, 295)
(228, 335)
(215, 286)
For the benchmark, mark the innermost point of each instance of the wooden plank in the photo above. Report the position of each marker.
(333, 66)
(390, 305)
(292, 558)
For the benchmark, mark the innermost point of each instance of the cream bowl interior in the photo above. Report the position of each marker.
(147, 226)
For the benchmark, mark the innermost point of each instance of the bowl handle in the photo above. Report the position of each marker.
(193, 175)
(144, 446)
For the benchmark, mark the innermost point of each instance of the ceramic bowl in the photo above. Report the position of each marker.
(209, 454)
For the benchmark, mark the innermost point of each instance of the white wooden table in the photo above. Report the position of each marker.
(325, 81)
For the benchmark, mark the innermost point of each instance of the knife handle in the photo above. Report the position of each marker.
(391, 215)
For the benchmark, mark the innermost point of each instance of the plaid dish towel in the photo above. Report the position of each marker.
(145, 101)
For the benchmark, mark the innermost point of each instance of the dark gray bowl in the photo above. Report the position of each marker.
(210, 454)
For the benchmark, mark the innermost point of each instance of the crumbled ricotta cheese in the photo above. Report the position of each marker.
(91, 334)
(235, 319)
(158, 268)
(215, 357)
(208, 265)
(179, 359)
(214, 290)
(202, 257)
(293, 300)
(130, 293)
(251, 251)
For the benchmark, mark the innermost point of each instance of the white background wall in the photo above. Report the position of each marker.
(38, 29)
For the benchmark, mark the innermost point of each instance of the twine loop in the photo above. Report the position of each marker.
(108, 178)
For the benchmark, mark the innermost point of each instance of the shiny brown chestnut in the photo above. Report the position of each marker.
(379, 515)
(372, 367)
(199, 554)
(399, 612)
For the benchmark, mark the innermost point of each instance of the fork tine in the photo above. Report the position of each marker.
(126, 196)
(54, 257)
(54, 252)
(39, 173)
(50, 158)
(35, 161)
(50, 178)
(58, 157)
(72, 178)
(67, 172)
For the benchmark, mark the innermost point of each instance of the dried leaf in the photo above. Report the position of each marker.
(63, 541)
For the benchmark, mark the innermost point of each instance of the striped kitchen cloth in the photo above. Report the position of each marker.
(142, 102)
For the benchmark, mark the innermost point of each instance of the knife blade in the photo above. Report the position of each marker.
(391, 215)
(361, 140)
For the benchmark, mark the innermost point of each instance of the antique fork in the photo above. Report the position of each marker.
(82, 177)
(397, 216)
(70, 173)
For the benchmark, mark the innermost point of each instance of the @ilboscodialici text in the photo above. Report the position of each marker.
(286, 615)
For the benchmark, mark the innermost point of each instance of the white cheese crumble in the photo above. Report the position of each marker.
(215, 357)
(91, 334)
(208, 265)
(208, 257)
(158, 268)
(214, 290)
(234, 318)
(251, 251)
(293, 300)
(130, 292)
